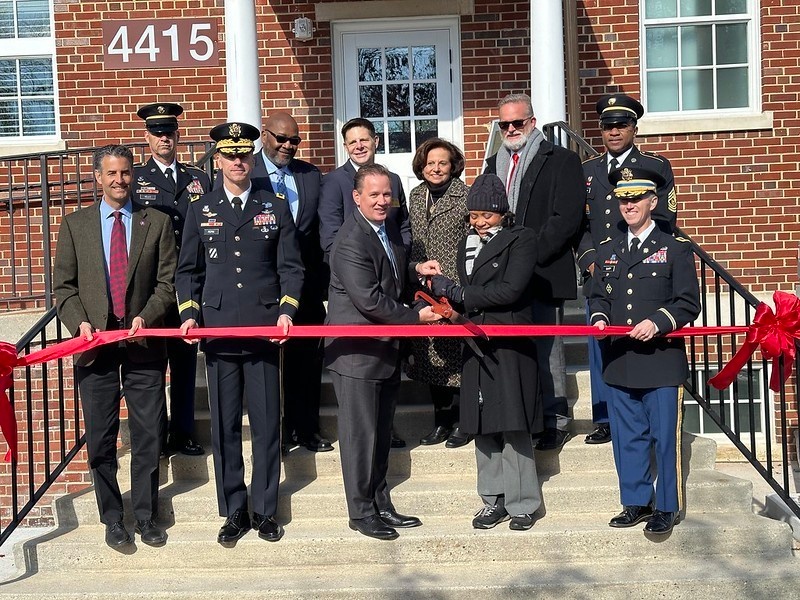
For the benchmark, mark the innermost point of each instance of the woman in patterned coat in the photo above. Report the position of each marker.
(437, 211)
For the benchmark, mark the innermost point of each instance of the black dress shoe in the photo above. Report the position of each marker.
(661, 522)
(457, 439)
(315, 442)
(392, 518)
(552, 439)
(268, 529)
(234, 528)
(396, 441)
(117, 535)
(184, 445)
(631, 515)
(600, 435)
(373, 527)
(437, 436)
(151, 534)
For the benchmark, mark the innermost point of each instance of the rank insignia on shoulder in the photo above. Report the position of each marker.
(281, 196)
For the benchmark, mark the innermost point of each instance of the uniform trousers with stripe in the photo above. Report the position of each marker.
(642, 419)
(234, 380)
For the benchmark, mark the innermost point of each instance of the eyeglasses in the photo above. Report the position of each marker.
(518, 123)
(294, 140)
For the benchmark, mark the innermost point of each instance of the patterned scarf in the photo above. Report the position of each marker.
(474, 245)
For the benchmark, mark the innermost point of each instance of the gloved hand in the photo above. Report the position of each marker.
(444, 286)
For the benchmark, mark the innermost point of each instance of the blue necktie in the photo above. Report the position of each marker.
(280, 185)
(387, 247)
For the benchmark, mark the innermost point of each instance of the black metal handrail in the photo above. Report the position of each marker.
(55, 412)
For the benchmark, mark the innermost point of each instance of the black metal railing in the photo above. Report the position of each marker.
(48, 418)
(35, 191)
(753, 418)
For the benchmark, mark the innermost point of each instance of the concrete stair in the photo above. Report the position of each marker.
(720, 549)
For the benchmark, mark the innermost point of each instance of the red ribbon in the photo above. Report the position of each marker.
(9, 359)
(775, 333)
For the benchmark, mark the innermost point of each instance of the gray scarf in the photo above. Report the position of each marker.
(526, 155)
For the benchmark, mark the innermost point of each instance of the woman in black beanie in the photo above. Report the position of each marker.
(500, 397)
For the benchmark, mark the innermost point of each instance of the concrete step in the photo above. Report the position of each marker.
(565, 494)
(563, 539)
(574, 457)
(712, 578)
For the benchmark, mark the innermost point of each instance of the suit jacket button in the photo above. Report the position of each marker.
(239, 285)
(630, 275)
(237, 253)
(495, 265)
(237, 238)
(630, 291)
(630, 306)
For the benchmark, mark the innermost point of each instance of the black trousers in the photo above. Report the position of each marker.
(302, 386)
(232, 381)
(366, 411)
(99, 385)
(182, 358)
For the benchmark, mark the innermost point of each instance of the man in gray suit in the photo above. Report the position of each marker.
(369, 271)
(115, 262)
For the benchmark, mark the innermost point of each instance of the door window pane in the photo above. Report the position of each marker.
(397, 100)
(424, 99)
(426, 129)
(399, 136)
(662, 90)
(369, 64)
(379, 132)
(7, 29)
(662, 47)
(371, 99)
(396, 64)
(730, 49)
(424, 62)
(696, 47)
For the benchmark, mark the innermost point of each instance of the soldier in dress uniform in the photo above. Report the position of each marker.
(647, 279)
(169, 186)
(240, 265)
(619, 114)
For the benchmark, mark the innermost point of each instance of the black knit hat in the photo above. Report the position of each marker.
(487, 194)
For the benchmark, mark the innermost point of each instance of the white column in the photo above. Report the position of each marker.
(241, 66)
(547, 61)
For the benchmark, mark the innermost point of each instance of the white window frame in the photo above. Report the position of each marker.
(39, 47)
(708, 120)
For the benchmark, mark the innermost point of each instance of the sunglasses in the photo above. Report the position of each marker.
(294, 140)
(618, 125)
(518, 123)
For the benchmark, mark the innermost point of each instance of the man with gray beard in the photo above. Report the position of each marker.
(545, 191)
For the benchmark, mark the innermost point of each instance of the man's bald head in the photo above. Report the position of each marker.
(280, 137)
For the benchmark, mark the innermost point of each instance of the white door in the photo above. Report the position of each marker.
(399, 75)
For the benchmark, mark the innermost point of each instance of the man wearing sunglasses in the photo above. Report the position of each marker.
(619, 114)
(169, 186)
(544, 191)
(298, 182)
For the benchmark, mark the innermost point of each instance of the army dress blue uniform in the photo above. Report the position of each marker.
(241, 271)
(151, 188)
(660, 284)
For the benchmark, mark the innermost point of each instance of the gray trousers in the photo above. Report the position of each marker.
(506, 467)
(552, 368)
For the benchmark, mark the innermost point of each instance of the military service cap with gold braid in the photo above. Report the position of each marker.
(160, 118)
(234, 138)
(634, 182)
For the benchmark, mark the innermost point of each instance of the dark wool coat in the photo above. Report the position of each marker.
(500, 292)
(435, 235)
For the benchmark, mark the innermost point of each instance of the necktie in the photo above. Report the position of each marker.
(280, 185)
(118, 267)
(613, 165)
(514, 161)
(387, 247)
(237, 206)
(634, 248)
(169, 178)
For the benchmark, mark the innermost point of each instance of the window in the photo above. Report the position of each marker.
(695, 420)
(700, 55)
(27, 74)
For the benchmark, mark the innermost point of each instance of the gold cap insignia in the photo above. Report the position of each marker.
(612, 101)
(161, 110)
(235, 130)
(627, 174)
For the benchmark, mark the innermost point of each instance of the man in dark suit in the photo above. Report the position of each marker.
(114, 268)
(618, 116)
(240, 265)
(336, 204)
(336, 199)
(647, 279)
(545, 193)
(298, 182)
(369, 272)
(169, 186)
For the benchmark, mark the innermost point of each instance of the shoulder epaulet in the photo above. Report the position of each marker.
(653, 155)
(590, 159)
(194, 167)
(605, 241)
(138, 165)
(682, 239)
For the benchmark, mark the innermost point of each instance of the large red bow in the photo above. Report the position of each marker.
(8, 424)
(776, 333)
